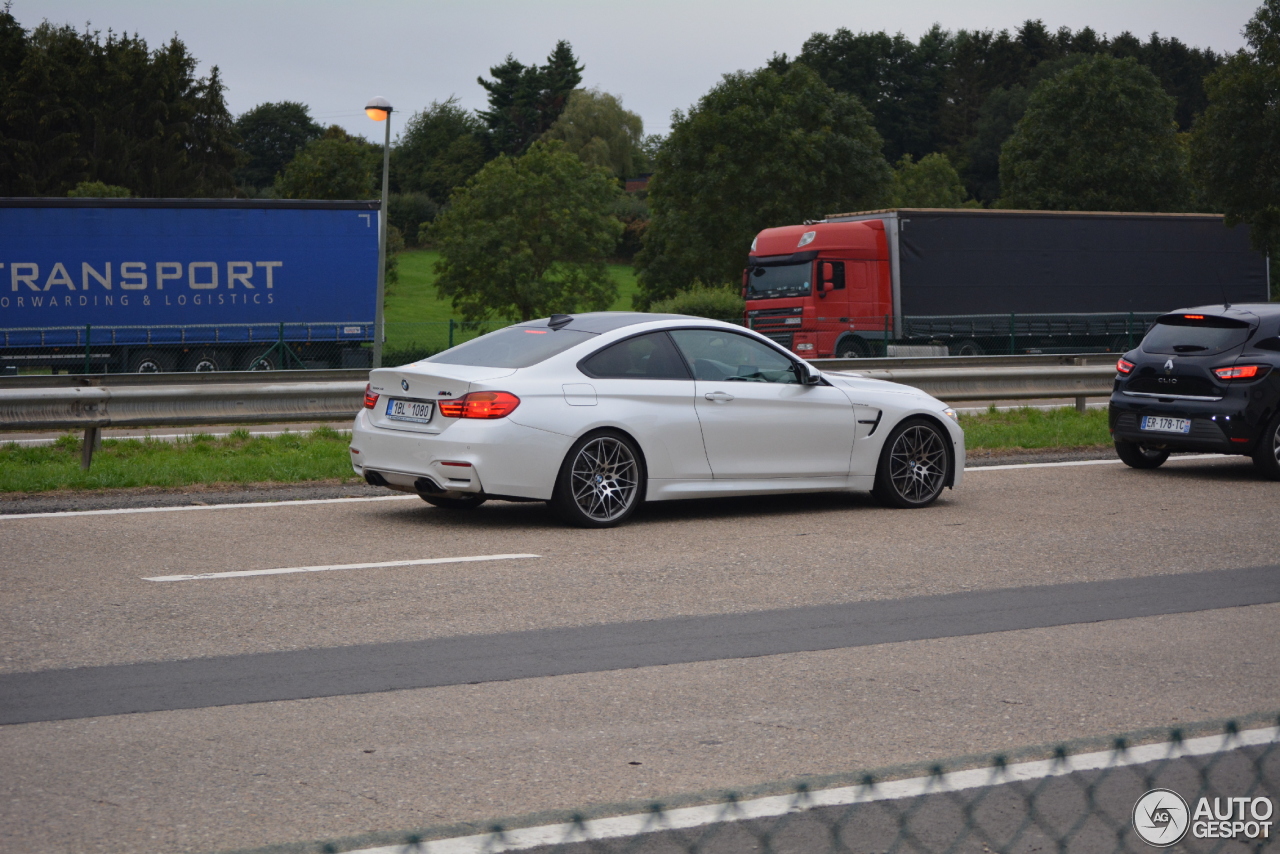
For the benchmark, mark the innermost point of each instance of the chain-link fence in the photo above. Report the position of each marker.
(1205, 787)
(285, 346)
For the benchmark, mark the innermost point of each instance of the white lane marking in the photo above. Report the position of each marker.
(286, 570)
(771, 807)
(123, 510)
(1080, 463)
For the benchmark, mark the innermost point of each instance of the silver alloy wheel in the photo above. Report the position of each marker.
(604, 479)
(1275, 443)
(918, 463)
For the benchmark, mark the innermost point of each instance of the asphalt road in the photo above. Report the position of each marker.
(761, 615)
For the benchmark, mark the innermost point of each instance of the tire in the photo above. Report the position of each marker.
(601, 481)
(852, 347)
(914, 463)
(967, 347)
(1267, 455)
(450, 502)
(252, 360)
(1138, 456)
(151, 362)
(206, 361)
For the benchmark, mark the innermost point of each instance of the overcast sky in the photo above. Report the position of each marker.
(658, 55)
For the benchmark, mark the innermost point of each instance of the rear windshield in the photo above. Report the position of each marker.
(513, 347)
(1195, 335)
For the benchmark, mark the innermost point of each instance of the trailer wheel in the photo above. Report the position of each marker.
(852, 347)
(255, 361)
(968, 347)
(151, 362)
(1120, 344)
(205, 361)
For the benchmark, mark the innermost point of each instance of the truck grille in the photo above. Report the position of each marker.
(782, 338)
(774, 318)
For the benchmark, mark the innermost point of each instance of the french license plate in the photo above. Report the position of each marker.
(410, 410)
(1161, 424)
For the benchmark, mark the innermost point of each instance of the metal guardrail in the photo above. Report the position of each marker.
(92, 408)
(98, 401)
(956, 385)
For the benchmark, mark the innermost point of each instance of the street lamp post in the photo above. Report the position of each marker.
(379, 109)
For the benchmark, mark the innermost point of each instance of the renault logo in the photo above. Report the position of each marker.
(1168, 366)
(404, 384)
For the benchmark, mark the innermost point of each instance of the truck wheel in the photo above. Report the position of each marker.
(1139, 456)
(1120, 344)
(255, 361)
(205, 361)
(151, 362)
(852, 347)
(968, 347)
(1267, 455)
(913, 465)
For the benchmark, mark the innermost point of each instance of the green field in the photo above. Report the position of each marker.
(322, 455)
(418, 321)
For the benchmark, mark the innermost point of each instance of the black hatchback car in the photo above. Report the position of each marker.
(1203, 379)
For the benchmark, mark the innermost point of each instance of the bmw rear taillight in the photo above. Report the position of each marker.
(370, 397)
(1241, 372)
(1124, 366)
(480, 404)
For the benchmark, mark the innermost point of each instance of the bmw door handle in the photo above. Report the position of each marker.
(718, 396)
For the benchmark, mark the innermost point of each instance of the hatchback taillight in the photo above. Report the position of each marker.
(1241, 372)
(480, 404)
(1124, 366)
(370, 397)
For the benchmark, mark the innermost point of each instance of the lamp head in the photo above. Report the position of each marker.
(378, 109)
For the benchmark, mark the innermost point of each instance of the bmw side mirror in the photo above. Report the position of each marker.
(808, 376)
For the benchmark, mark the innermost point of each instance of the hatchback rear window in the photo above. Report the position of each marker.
(513, 347)
(1194, 334)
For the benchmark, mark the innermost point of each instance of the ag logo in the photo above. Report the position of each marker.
(1161, 818)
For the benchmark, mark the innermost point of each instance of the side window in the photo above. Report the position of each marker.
(718, 356)
(644, 357)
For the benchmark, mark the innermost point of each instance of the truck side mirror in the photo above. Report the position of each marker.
(828, 274)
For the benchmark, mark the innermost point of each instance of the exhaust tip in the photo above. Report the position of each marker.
(373, 478)
(427, 486)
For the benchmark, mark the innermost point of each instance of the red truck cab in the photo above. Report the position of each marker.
(821, 290)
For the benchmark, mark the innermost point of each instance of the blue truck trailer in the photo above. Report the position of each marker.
(143, 285)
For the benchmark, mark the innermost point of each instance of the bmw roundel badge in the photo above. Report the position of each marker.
(404, 384)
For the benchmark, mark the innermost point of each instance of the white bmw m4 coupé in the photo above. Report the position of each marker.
(598, 413)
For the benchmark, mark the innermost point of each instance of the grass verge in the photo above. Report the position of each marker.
(239, 458)
(199, 459)
(1035, 429)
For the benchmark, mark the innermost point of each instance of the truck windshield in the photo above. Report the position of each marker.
(792, 280)
(513, 347)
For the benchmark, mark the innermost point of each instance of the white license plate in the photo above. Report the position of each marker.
(410, 410)
(1161, 424)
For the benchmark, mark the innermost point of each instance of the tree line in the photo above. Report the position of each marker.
(1032, 118)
